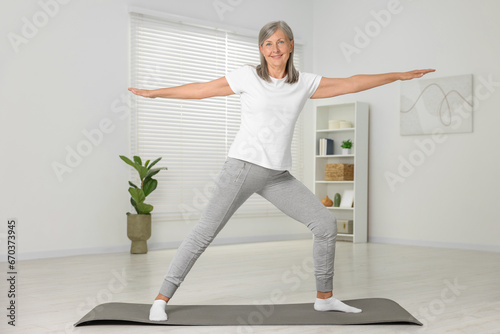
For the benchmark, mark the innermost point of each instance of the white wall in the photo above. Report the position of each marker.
(449, 200)
(69, 77)
(72, 73)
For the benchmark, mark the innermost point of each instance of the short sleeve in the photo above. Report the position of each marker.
(237, 79)
(310, 81)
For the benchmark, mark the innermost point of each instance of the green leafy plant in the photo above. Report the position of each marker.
(346, 144)
(148, 184)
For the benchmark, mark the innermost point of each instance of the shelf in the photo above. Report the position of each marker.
(335, 130)
(358, 114)
(335, 182)
(338, 208)
(345, 237)
(336, 156)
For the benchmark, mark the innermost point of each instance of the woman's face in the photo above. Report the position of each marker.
(276, 49)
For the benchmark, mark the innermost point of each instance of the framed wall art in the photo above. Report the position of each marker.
(441, 105)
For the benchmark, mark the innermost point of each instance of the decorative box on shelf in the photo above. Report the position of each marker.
(344, 226)
(339, 172)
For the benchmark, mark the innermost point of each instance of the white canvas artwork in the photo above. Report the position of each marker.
(442, 105)
(347, 199)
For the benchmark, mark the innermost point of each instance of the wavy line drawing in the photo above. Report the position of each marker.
(445, 99)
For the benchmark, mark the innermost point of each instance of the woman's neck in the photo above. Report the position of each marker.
(277, 72)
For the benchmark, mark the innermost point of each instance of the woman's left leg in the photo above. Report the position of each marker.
(296, 200)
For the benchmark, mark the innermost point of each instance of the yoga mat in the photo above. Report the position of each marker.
(375, 311)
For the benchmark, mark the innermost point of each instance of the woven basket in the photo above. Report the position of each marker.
(339, 172)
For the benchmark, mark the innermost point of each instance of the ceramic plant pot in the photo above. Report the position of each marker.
(139, 231)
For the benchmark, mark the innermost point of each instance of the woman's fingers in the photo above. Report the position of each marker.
(423, 72)
(416, 74)
(137, 91)
(140, 92)
(134, 90)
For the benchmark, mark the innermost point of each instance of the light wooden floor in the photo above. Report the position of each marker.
(451, 291)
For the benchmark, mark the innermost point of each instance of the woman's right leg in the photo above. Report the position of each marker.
(236, 182)
(234, 185)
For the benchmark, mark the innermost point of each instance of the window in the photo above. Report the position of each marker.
(192, 136)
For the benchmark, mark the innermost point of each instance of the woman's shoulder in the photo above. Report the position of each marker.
(246, 69)
(308, 77)
(308, 74)
(249, 68)
(241, 77)
(309, 81)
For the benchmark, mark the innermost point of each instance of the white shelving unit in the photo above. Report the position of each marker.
(358, 114)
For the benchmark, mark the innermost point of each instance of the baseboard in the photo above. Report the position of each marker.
(71, 252)
(156, 246)
(424, 243)
(246, 239)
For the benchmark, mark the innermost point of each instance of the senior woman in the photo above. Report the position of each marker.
(272, 96)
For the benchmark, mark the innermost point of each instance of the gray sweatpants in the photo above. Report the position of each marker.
(236, 182)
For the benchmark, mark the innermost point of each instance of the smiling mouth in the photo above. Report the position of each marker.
(276, 56)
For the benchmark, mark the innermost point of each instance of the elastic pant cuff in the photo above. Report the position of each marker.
(168, 289)
(324, 286)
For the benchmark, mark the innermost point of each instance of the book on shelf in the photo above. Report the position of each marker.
(325, 146)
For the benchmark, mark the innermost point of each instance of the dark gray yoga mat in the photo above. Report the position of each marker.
(375, 311)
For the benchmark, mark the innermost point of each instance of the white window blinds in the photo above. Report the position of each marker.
(192, 136)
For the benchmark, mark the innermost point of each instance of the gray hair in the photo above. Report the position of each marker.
(267, 31)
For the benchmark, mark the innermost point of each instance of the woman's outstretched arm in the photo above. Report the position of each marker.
(330, 87)
(201, 90)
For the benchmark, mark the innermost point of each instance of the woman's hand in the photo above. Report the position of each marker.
(414, 74)
(142, 92)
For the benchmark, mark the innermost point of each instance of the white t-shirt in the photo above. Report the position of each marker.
(269, 111)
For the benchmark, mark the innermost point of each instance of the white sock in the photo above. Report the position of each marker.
(333, 304)
(157, 311)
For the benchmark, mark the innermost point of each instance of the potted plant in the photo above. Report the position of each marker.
(346, 146)
(139, 225)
